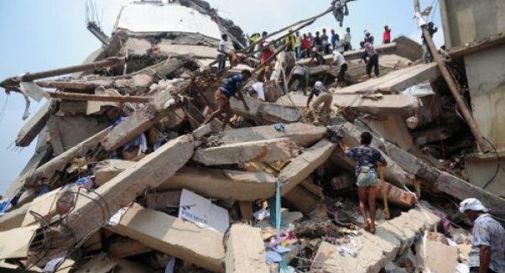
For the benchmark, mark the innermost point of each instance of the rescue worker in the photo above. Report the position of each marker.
(230, 87)
(323, 97)
(487, 254)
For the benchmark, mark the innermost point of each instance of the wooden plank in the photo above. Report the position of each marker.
(87, 97)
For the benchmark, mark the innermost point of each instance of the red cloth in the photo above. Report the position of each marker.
(265, 55)
(386, 37)
(306, 43)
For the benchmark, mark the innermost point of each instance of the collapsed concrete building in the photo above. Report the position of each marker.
(127, 178)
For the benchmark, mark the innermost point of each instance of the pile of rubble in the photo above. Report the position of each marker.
(127, 178)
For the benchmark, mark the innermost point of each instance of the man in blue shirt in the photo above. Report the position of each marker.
(367, 160)
(231, 86)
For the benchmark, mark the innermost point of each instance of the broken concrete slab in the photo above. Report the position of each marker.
(303, 165)
(245, 250)
(238, 153)
(462, 189)
(124, 247)
(128, 129)
(223, 184)
(265, 111)
(393, 129)
(391, 238)
(173, 236)
(394, 82)
(302, 134)
(59, 162)
(149, 172)
(105, 170)
(16, 242)
(14, 218)
(376, 105)
(34, 125)
(302, 199)
(435, 256)
(67, 131)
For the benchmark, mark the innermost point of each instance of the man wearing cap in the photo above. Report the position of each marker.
(323, 97)
(488, 246)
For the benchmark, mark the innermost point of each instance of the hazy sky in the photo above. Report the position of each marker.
(39, 35)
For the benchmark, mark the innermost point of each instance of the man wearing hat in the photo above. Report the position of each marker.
(323, 97)
(488, 246)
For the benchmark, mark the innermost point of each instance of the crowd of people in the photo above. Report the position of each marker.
(488, 245)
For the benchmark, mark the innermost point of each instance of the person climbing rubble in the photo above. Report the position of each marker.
(231, 87)
(427, 57)
(323, 97)
(367, 161)
(301, 74)
(488, 246)
(340, 10)
(340, 63)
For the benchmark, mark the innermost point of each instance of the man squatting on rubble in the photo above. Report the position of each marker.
(231, 86)
(323, 97)
(341, 64)
(302, 75)
(487, 254)
(223, 53)
(367, 160)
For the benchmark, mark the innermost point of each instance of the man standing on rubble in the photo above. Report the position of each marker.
(223, 52)
(371, 58)
(386, 36)
(231, 87)
(323, 97)
(488, 246)
(367, 161)
(347, 39)
(339, 61)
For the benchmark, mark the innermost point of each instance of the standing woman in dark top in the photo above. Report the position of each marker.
(367, 160)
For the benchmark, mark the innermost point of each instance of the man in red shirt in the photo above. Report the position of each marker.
(306, 45)
(386, 37)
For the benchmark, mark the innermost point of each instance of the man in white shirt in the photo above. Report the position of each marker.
(487, 254)
(341, 64)
(347, 39)
(223, 52)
